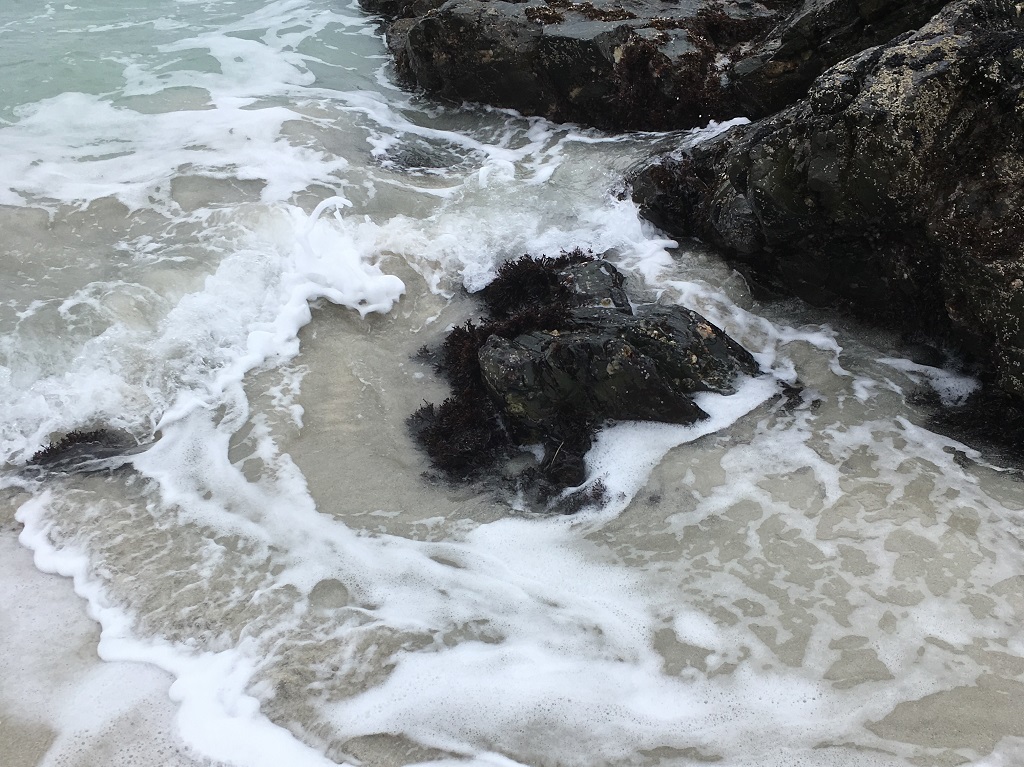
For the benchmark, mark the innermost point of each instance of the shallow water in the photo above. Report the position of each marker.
(227, 232)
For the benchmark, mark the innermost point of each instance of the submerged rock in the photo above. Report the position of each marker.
(643, 64)
(562, 354)
(894, 186)
(86, 451)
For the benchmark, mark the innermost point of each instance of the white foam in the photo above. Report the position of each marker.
(77, 148)
(623, 455)
(247, 314)
(952, 388)
(53, 680)
(215, 716)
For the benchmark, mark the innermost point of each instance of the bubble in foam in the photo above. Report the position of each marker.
(328, 594)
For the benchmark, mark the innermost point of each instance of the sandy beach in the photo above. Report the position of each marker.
(60, 705)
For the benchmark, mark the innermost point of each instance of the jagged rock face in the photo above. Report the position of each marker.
(603, 362)
(778, 69)
(617, 65)
(894, 185)
(642, 64)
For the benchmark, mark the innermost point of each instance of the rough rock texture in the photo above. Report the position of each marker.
(896, 185)
(634, 65)
(610, 364)
(562, 354)
(778, 69)
(644, 64)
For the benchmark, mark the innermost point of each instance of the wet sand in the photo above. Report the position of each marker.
(60, 705)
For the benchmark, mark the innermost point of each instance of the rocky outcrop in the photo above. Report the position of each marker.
(891, 183)
(646, 65)
(895, 185)
(561, 354)
(642, 64)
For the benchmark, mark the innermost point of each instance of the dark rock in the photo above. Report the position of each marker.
(424, 157)
(562, 354)
(990, 420)
(575, 280)
(610, 365)
(894, 187)
(87, 451)
(401, 9)
(643, 64)
(819, 33)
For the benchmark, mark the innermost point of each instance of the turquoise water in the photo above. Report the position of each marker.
(226, 233)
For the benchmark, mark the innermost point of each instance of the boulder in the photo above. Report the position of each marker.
(642, 64)
(562, 354)
(645, 64)
(605, 364)
(893, 187)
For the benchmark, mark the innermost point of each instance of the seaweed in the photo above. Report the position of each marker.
(528, 282)
(589, 496)
(462, 437)
(661, 93)
(467, 435)
(543, 15)
(591, 12)
(716, 28)
(561, 353)
(656, 91)
(525, 295)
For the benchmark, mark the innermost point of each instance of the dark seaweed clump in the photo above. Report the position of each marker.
(526, 284)
(467, 436)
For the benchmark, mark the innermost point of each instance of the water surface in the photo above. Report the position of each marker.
(226, 233)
